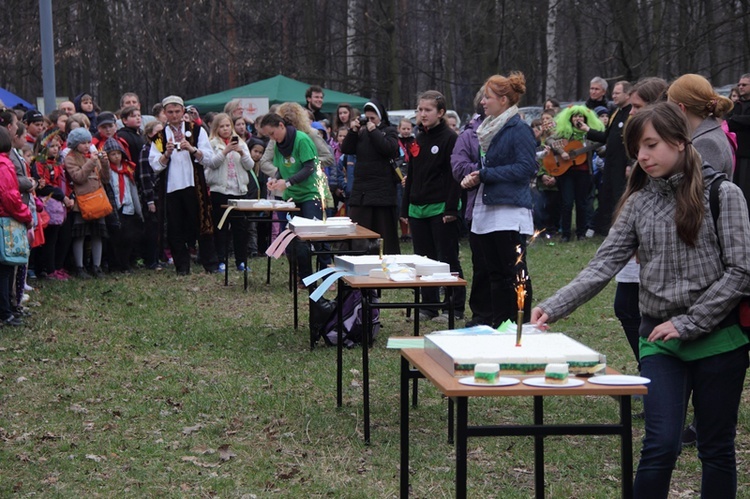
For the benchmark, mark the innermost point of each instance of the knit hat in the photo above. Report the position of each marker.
(77, 137)
(106, 118)
(172, 99)
(112, 145)
(33, 116)
(599, 110)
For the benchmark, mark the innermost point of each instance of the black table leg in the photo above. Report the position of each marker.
(226, 264)
(415, 392)
(293, 263)
(268, 270)
(404, 474)
(451, 307)
(626, 449)
(539, 448)
(367, 335)
(461, 443)
(339, 341)
(451, 423)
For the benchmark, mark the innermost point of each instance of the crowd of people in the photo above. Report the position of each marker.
(99, 191)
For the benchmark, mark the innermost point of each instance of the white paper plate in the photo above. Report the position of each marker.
(540, 382)
(618, 379)
(469, 380)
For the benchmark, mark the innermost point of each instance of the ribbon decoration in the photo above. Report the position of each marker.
(276, 249)
(224, 216)
(315, 295)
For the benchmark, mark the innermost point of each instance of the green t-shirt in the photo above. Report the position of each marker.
(428, 210)
(721, 341)
(304, 150)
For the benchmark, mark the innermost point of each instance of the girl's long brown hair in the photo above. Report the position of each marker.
(672, 126)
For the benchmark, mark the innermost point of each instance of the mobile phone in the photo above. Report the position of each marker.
(235, 139)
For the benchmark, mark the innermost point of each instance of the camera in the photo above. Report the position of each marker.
(177, 146)
(362, 120)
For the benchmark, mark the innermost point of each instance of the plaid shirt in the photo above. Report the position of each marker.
(147, 179)
(693, 287)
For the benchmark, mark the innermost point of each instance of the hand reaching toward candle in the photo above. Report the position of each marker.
(539, 318)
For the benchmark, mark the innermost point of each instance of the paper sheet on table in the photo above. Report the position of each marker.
(400, 343)
(439, 277)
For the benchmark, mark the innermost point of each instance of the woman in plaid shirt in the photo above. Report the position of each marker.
(693, 275)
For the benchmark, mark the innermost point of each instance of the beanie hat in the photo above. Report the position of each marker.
(255, 141)
(112, 145)
(599, 110)
(77, 137)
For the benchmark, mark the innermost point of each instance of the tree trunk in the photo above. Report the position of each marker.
(550, 87)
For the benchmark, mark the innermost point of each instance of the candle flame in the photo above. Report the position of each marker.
(521, 290)
(321, 185)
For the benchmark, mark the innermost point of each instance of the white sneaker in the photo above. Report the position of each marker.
(25, 298)
(590, 233)
(26, 287)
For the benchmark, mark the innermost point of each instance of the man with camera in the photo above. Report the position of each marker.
(178, 153)
(373, 202)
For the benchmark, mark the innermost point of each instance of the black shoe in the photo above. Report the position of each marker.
(21, 312)
(98, 272)
(476, 321)
(689, 436)
(12, 321)
(565, 239)
(81, 273)
(183, 272)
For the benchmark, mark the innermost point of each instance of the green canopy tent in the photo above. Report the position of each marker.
(277, 89)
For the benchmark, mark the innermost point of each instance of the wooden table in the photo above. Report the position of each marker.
(365, 283)
(359, 233)
(253, 215)
(426, 367)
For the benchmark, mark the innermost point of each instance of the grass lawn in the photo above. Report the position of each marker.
(151, 385)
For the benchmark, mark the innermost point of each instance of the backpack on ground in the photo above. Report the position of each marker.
(352, 328)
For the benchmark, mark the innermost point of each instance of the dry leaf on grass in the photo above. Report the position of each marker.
(96, 458)
(188, 430)
(225, 453)
(78, 409)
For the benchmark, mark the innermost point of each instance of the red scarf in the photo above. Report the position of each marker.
(124, 169)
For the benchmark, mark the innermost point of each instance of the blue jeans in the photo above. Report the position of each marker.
(716, 384)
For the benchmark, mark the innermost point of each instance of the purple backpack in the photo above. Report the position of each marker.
(352, 320)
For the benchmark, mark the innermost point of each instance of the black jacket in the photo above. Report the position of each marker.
(430, 178)
(615, 158)
(374, 179)
(739, 123)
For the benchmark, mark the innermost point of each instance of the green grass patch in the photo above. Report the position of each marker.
(153, 385)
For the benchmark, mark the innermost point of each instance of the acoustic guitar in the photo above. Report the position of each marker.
(556, 166)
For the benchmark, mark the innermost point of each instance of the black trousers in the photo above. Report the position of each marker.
(183, 231)
(500, 254)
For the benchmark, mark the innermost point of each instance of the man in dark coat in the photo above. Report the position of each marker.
(616, 160)
(739, 123)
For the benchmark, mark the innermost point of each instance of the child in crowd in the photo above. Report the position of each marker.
(405, 142)
(85, 105)
(344, 176)
(122, 180)
(49, 171)
(259, 234)
(153, 215)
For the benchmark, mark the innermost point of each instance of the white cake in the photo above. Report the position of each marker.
(335, 226)
(459, 354)
(362, 264)
(486, 373)
(556, 374)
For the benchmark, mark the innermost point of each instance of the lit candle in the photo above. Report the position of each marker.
(380, 244)
(520, 299)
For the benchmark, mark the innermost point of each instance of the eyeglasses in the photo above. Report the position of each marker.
(743, 84)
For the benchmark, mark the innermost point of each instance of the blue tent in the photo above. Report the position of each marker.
(11, 100)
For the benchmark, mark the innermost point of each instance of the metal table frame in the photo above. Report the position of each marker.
(426, 367)
(364, 283)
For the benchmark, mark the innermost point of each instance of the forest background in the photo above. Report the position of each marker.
(389, 49)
